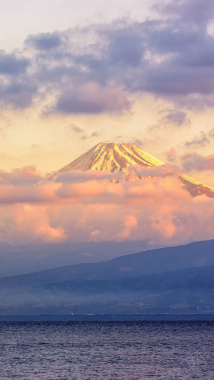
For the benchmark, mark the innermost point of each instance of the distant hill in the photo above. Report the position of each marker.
(174, 278)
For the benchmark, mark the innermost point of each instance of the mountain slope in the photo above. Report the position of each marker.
(143, 263)
(170, 280)
(111, 157)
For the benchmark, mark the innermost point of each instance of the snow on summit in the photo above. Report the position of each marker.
(112, 157)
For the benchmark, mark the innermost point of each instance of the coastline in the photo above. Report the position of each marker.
(107, 318)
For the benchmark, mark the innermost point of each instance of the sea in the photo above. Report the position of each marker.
(98, 350)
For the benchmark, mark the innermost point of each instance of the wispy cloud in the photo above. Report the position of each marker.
(76, 129)
(202, 139)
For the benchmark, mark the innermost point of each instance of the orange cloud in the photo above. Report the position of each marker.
(24, 223)
(130, 222)
(159, 211)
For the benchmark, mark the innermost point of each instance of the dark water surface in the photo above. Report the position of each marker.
(107, 350)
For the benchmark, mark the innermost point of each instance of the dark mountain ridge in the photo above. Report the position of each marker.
(197, 254)
(176, 280)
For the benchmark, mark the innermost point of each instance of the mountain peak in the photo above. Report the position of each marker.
(112, 157)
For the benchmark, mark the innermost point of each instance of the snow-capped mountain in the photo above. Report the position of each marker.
(134, 162)
(112, 157)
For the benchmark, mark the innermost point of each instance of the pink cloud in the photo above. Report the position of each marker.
(79, 176)
(25, 175)
(27, 194)
(156, 171)
(25, 223)
(171, 155)
(195, 161)
(158, 210)
(209, 163)
(130, 222)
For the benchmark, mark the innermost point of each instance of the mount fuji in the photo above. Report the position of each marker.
(134, 163)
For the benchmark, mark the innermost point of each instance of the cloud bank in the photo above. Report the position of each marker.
(79, 207)
(101, 68)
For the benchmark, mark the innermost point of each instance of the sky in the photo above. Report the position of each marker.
(74, 73)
